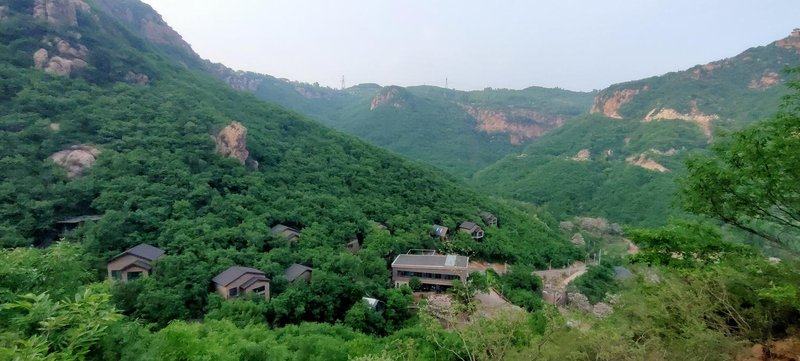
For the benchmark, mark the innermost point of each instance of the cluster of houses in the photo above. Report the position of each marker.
(474, 230)
(435, 271)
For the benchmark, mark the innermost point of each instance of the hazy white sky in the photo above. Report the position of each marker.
(572, 44)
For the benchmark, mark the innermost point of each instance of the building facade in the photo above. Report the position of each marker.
(436, 272)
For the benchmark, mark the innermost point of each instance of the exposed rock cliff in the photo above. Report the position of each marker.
(68, 58)
(609, 104)
(582, 155)
(792, 41)
(643, 161)
(232, 142)
(76, 159)
(59, 12)
(137, 78)
(389, 95)
(146, 21)
(766, 80)
(520, 124)
(702, 120)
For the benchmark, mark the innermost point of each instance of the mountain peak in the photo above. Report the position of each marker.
(791, 41)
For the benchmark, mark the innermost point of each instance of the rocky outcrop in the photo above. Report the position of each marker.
(520, 124)
(787, 349)
(68, 58)
(40, 58)
(669, 152)
(643, 161)
(581, 302)
(609, 104)
(390, 96)
(232, 142)
(582, 156)
(136, 78)
(695, 116)
(701, 71)
(790, 42)
(766, 80)
(236, 79)
(146, 21)
(76, 159)
(596, 225)
(59, 12)
(577, 239)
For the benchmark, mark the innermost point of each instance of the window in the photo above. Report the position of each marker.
(134, 275)
(116, 275)
(233, 292)
(260, 290)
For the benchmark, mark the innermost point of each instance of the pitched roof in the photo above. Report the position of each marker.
(487, 215)
(79, 219)
(431, 261)
(143, 250)
(231, 274)
(469, 226)
(285, 231)
(138, 263)
(439, 230)
(295, 270)
(253, 280)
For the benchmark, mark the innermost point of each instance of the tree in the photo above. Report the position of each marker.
(66, 329)
(415, 283)
(465, 292)
(750, 180)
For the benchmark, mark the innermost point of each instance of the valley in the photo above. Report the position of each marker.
(155, 205)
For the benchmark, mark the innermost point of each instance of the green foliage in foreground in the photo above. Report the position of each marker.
(708, 311)
(750, 180)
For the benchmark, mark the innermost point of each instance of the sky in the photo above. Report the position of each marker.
(469, 44)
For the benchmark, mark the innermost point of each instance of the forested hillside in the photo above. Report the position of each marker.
(457, 131)
(621, 161)
(97, 121)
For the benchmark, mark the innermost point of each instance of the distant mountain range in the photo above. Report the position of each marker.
(620, 161)
(613, 153)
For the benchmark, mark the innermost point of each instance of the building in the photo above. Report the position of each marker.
(473, 229)
(354, 245)
(68, 224)
(287, 232)
(133, 263)
(439, 231)
(237, 280)
(436, 271)
(489, 219)
(297, 271)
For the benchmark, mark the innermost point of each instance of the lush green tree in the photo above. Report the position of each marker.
(750, 179)
(65, 329)
(241, 311)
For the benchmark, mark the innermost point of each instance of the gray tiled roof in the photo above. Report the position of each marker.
(231, 274)
(143, 250)
(253, 280)
(285, 231)
(469, 226)
(438, 260)
(295, 270)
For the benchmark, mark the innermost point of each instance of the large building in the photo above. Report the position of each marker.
(436, 271)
